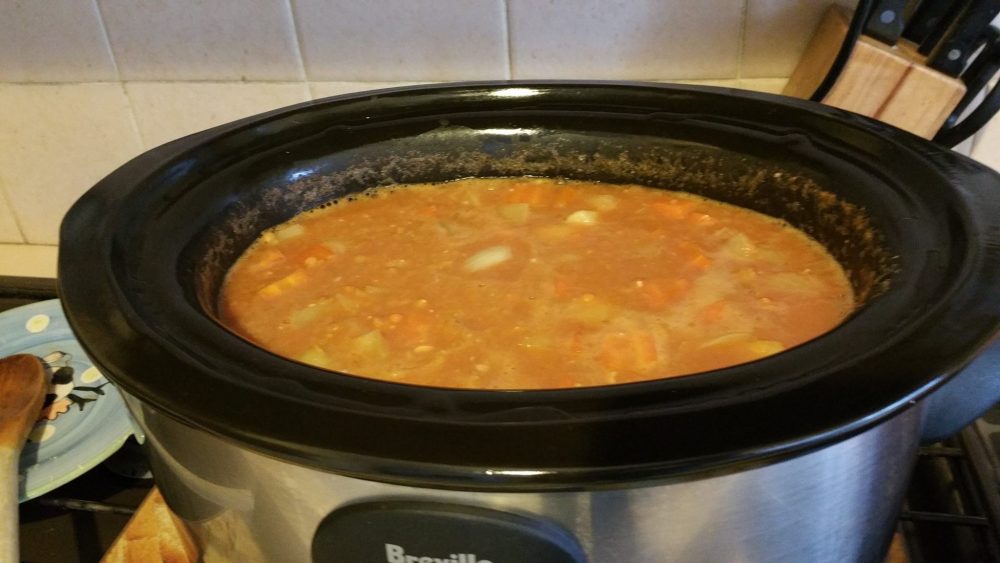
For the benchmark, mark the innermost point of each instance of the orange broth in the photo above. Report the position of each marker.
(530, 283)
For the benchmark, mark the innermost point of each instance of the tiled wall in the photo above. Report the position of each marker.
(87, 84)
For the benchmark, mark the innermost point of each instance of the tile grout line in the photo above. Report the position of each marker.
(507, 41)
(107, 40)
(297, 34)
(13, 214)
(132, 119)
(743, 40)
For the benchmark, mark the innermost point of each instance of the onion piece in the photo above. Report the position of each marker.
(314, 356)
(371, 345)
(603, 202)
(487, 258)
(286, 232)
(582, 217)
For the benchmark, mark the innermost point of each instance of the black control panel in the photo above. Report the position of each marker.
(404, 531)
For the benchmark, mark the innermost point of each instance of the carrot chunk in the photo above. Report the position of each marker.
(713, 313)
(673, 209)
(693, 255)
(657, 294)
(628, 350)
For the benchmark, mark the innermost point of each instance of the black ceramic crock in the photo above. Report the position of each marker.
(142, 255)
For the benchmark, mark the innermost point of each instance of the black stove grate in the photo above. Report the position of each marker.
(952, 508)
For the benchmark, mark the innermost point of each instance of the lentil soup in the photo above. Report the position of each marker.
(531, 283)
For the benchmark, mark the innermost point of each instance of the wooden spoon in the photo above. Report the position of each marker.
(23, 384)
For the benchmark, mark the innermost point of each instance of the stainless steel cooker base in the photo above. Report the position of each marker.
(837, 504)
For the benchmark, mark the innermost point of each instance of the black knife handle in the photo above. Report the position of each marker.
(964, 37)
(926, 18)
(984, 112)
(953, 10)
(886, 21)
(979, 73)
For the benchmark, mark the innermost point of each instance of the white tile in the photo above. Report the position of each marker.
(53, 41)
(987, 145)
(56, 141)
(402, 40)
(28, 260)
(644, 40)
(165, 111)
(777, 32)
(203, 40)
(722, 83)
(326, 89)
(9, 231)
(768, 85)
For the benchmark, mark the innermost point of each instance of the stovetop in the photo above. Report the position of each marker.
(951, 513)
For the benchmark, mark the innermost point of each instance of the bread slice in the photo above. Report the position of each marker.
(153, 535)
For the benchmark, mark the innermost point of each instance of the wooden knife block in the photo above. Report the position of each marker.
(889, 83)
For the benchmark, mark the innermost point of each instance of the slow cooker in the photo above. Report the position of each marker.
(801, 456)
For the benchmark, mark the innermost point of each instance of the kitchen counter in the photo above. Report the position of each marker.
(28, 260)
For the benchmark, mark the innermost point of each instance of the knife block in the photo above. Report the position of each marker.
(889, 83)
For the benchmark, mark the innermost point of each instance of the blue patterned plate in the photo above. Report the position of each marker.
(84, 419)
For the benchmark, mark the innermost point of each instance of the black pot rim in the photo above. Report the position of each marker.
(153, 341)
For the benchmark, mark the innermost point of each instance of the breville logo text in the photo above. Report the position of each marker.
(396, 554)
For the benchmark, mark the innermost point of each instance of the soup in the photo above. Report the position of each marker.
(531, 283)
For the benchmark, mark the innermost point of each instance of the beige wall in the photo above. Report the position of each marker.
(87, 84)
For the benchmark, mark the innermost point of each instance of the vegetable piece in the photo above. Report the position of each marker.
(266, 260)
(713, 313)
(694, 255)
(371, 345)
(517, 212)
(314, 255)
(285, 232)
(741, 347)
(554, 232)
(739, 246)
(657, 294)
(673, 208)
(702, 219)
(308, 314)
(349, 305)
(603, 202)
(487, 258)
(314, 356)
(701, 262)
(589, 311)
(762, 348)
(276, 288)
(726, 339)
(582, 217)
(336, 246)
(631, 350)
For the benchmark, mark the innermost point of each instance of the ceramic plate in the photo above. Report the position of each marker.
(84, 419)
